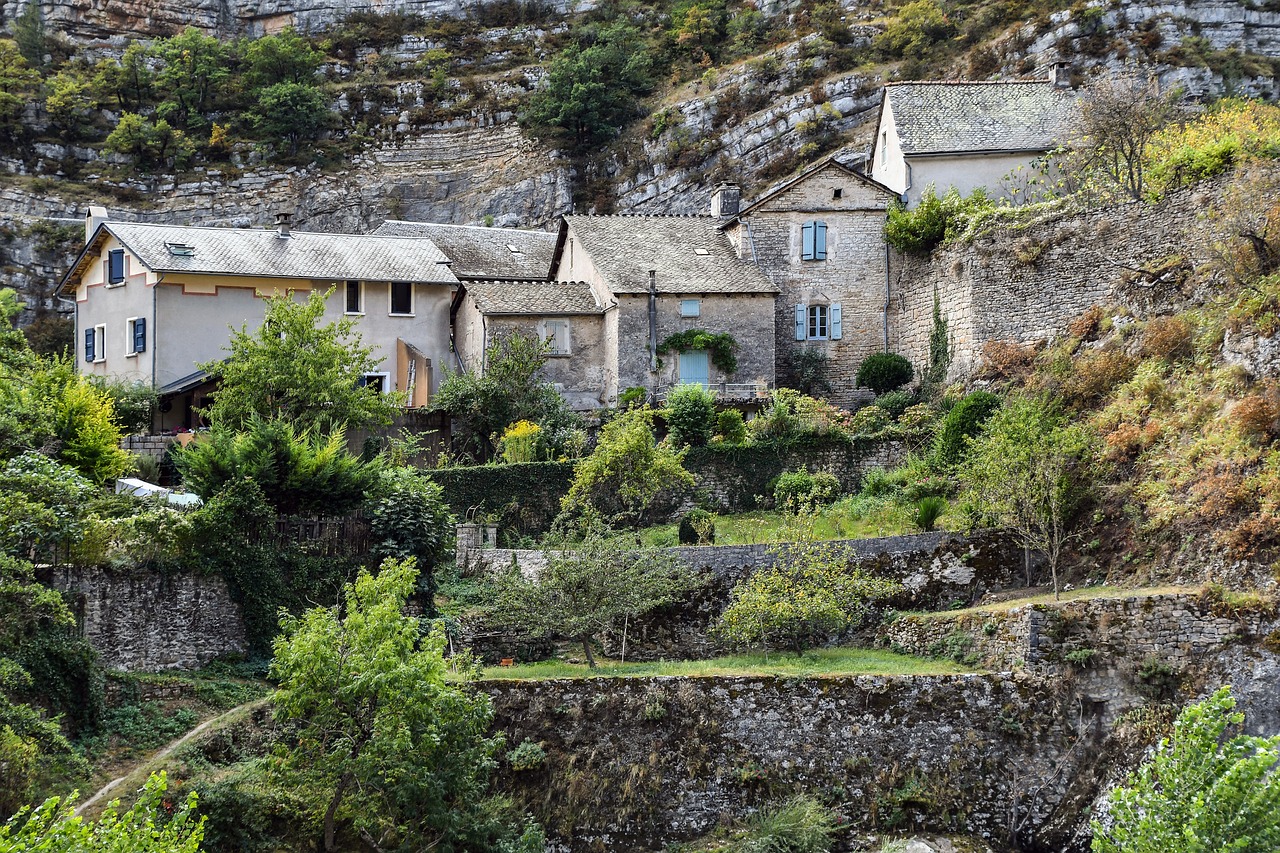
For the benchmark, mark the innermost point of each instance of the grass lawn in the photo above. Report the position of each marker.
(1081, 594)
(816, 662)
(851, 518)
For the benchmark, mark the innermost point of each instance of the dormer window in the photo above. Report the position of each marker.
(115, 266)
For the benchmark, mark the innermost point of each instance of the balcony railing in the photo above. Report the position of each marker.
(726, 392)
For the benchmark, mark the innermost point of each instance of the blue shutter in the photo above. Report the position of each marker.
(140, 335)
(88, 345)
(115, 266)
(806, 241)
(836, 331)
(819, 241)
(800, 323)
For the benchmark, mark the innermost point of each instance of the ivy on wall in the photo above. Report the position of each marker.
(719, 345)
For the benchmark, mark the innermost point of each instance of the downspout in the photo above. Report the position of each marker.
(155, 308)
(888, 296)
(653, 322)
(484, 354)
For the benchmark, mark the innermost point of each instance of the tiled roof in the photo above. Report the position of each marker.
(944, 116)
(253, 252)
(489, 253)
(690, 254)
(533, 297)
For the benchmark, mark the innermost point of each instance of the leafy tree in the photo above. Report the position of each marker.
(153, 825)
(627, 470)
(592, 85)
(40, 505)
(384, 745)
(1120, 115)
(1207, 789)
(69, 102)
(28, 34)
(298, 471)
(17, 82)
(690, 415)
(150, 145)
(409, 518)
(283, 58)
(810, 593)
(1031, 471)
(290, 111)
(294, 369)
(193, 72)
(592, 579)
(127, 81)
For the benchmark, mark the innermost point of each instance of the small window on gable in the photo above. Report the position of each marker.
(690, 307)
(556, 334)
(354, 303)
(115, 266)
(401, 297)
(837, 193)
(136, 336)
(813, 241)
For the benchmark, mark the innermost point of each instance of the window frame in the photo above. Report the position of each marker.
(547, 331)
(696, 302)
(131, 336)
(99, 344)
(110, 279)
(383, 375)
(818, 321)
(359, 294)
(391, 299)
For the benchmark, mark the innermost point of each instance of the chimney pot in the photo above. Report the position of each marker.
(282, 223)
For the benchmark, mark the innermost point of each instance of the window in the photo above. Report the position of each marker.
(115, 266)
(136, 336)
(819, 321)
(690, 307)
(556, 334)
(837, 193)
(354, 301)
(95, 344)
(813, 241)
(401, 298)
(884, 147)
(381, 382)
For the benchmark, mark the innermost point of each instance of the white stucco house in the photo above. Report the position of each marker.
(966, 135)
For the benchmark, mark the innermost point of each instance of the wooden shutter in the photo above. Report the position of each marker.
(819, 241)
(89, 353)
(836, 331)
(140, 335)
(806, 241)
(801, 320)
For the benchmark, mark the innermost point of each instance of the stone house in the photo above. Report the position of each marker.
(153, 302)
(946, 134)
(819, 238)
(656, 277)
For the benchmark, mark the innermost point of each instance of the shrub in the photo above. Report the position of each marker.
(799, 490)
(529, 755)
(1006, 360)
(935, 220)
(811, 372)
(698, 527)
(895, 402)
(869, 420)
(690, 415)
(963, 421)
(632, 397)
(1168, 338)
(731, 428)
(792, 417)
(1095, 374)
(927, 512)
(1257, 416)
(520, 442)
(800, 825)
(1086, 326)
(883, 372)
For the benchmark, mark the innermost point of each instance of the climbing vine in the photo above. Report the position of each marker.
(720, 345)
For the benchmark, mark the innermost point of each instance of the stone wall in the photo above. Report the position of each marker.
(1025, 284)
(155, 446)
(152, 621)
(637, 764)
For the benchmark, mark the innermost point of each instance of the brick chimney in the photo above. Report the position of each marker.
(725, 201)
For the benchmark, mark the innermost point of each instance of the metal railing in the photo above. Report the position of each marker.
(725, 391)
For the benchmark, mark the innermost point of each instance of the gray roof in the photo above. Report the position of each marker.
(939, 117)
(255, 252)
(483, 253)
(690, 254)
(533, 297)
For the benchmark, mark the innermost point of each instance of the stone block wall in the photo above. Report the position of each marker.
(1025, 284)
(151, 621)
(155, 446)
(637, 764)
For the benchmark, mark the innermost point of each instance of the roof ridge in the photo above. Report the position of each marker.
(264, 230)
(897, 83)
(500, 229)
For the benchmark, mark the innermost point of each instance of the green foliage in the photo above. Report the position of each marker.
(529, 755)
(1207, 788)
(290, 111)
(17, 82)
(384, 745)
(522, 498)
(928, 510)
(40, 503)
(730, 427)
(935, 220)
(1031, 471)
(632, 397)
(286, 57)
(809, 594)
(798, 825)
(28, 34)
(193, 70)
(297, 370)
(960, 424)
(697, 527)
(132, 403)
(151, 145)
(408, 518)
(627, 470)
(895, 402)
(690, 414)
(800, 491)
(791, 418)
(939, 346)
(721, 347)
(917, 29)
(592, 578)
(154, 824)
(297, 471)
(883, 372)
(810, 367)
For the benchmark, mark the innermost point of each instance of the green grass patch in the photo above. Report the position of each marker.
(1082, 594)
(816, 663)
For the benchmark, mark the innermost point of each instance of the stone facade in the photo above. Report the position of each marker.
(851, 281)
(150, 621)
(155, 446)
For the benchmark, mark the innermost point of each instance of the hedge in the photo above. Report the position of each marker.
(524, 496)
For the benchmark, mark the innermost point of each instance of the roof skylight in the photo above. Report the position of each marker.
(181, 250)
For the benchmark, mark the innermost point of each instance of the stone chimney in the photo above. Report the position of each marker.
(282, 223)
(725, 201)
(1060, 75)
(96, 216)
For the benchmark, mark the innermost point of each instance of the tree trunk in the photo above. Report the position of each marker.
(331, 814)
(626, 620)
(586, 648)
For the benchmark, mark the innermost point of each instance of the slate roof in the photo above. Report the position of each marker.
(690, 254)
(533, 297)
(483, 253)
(833, 161)
(943, 116)
(262, 253)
